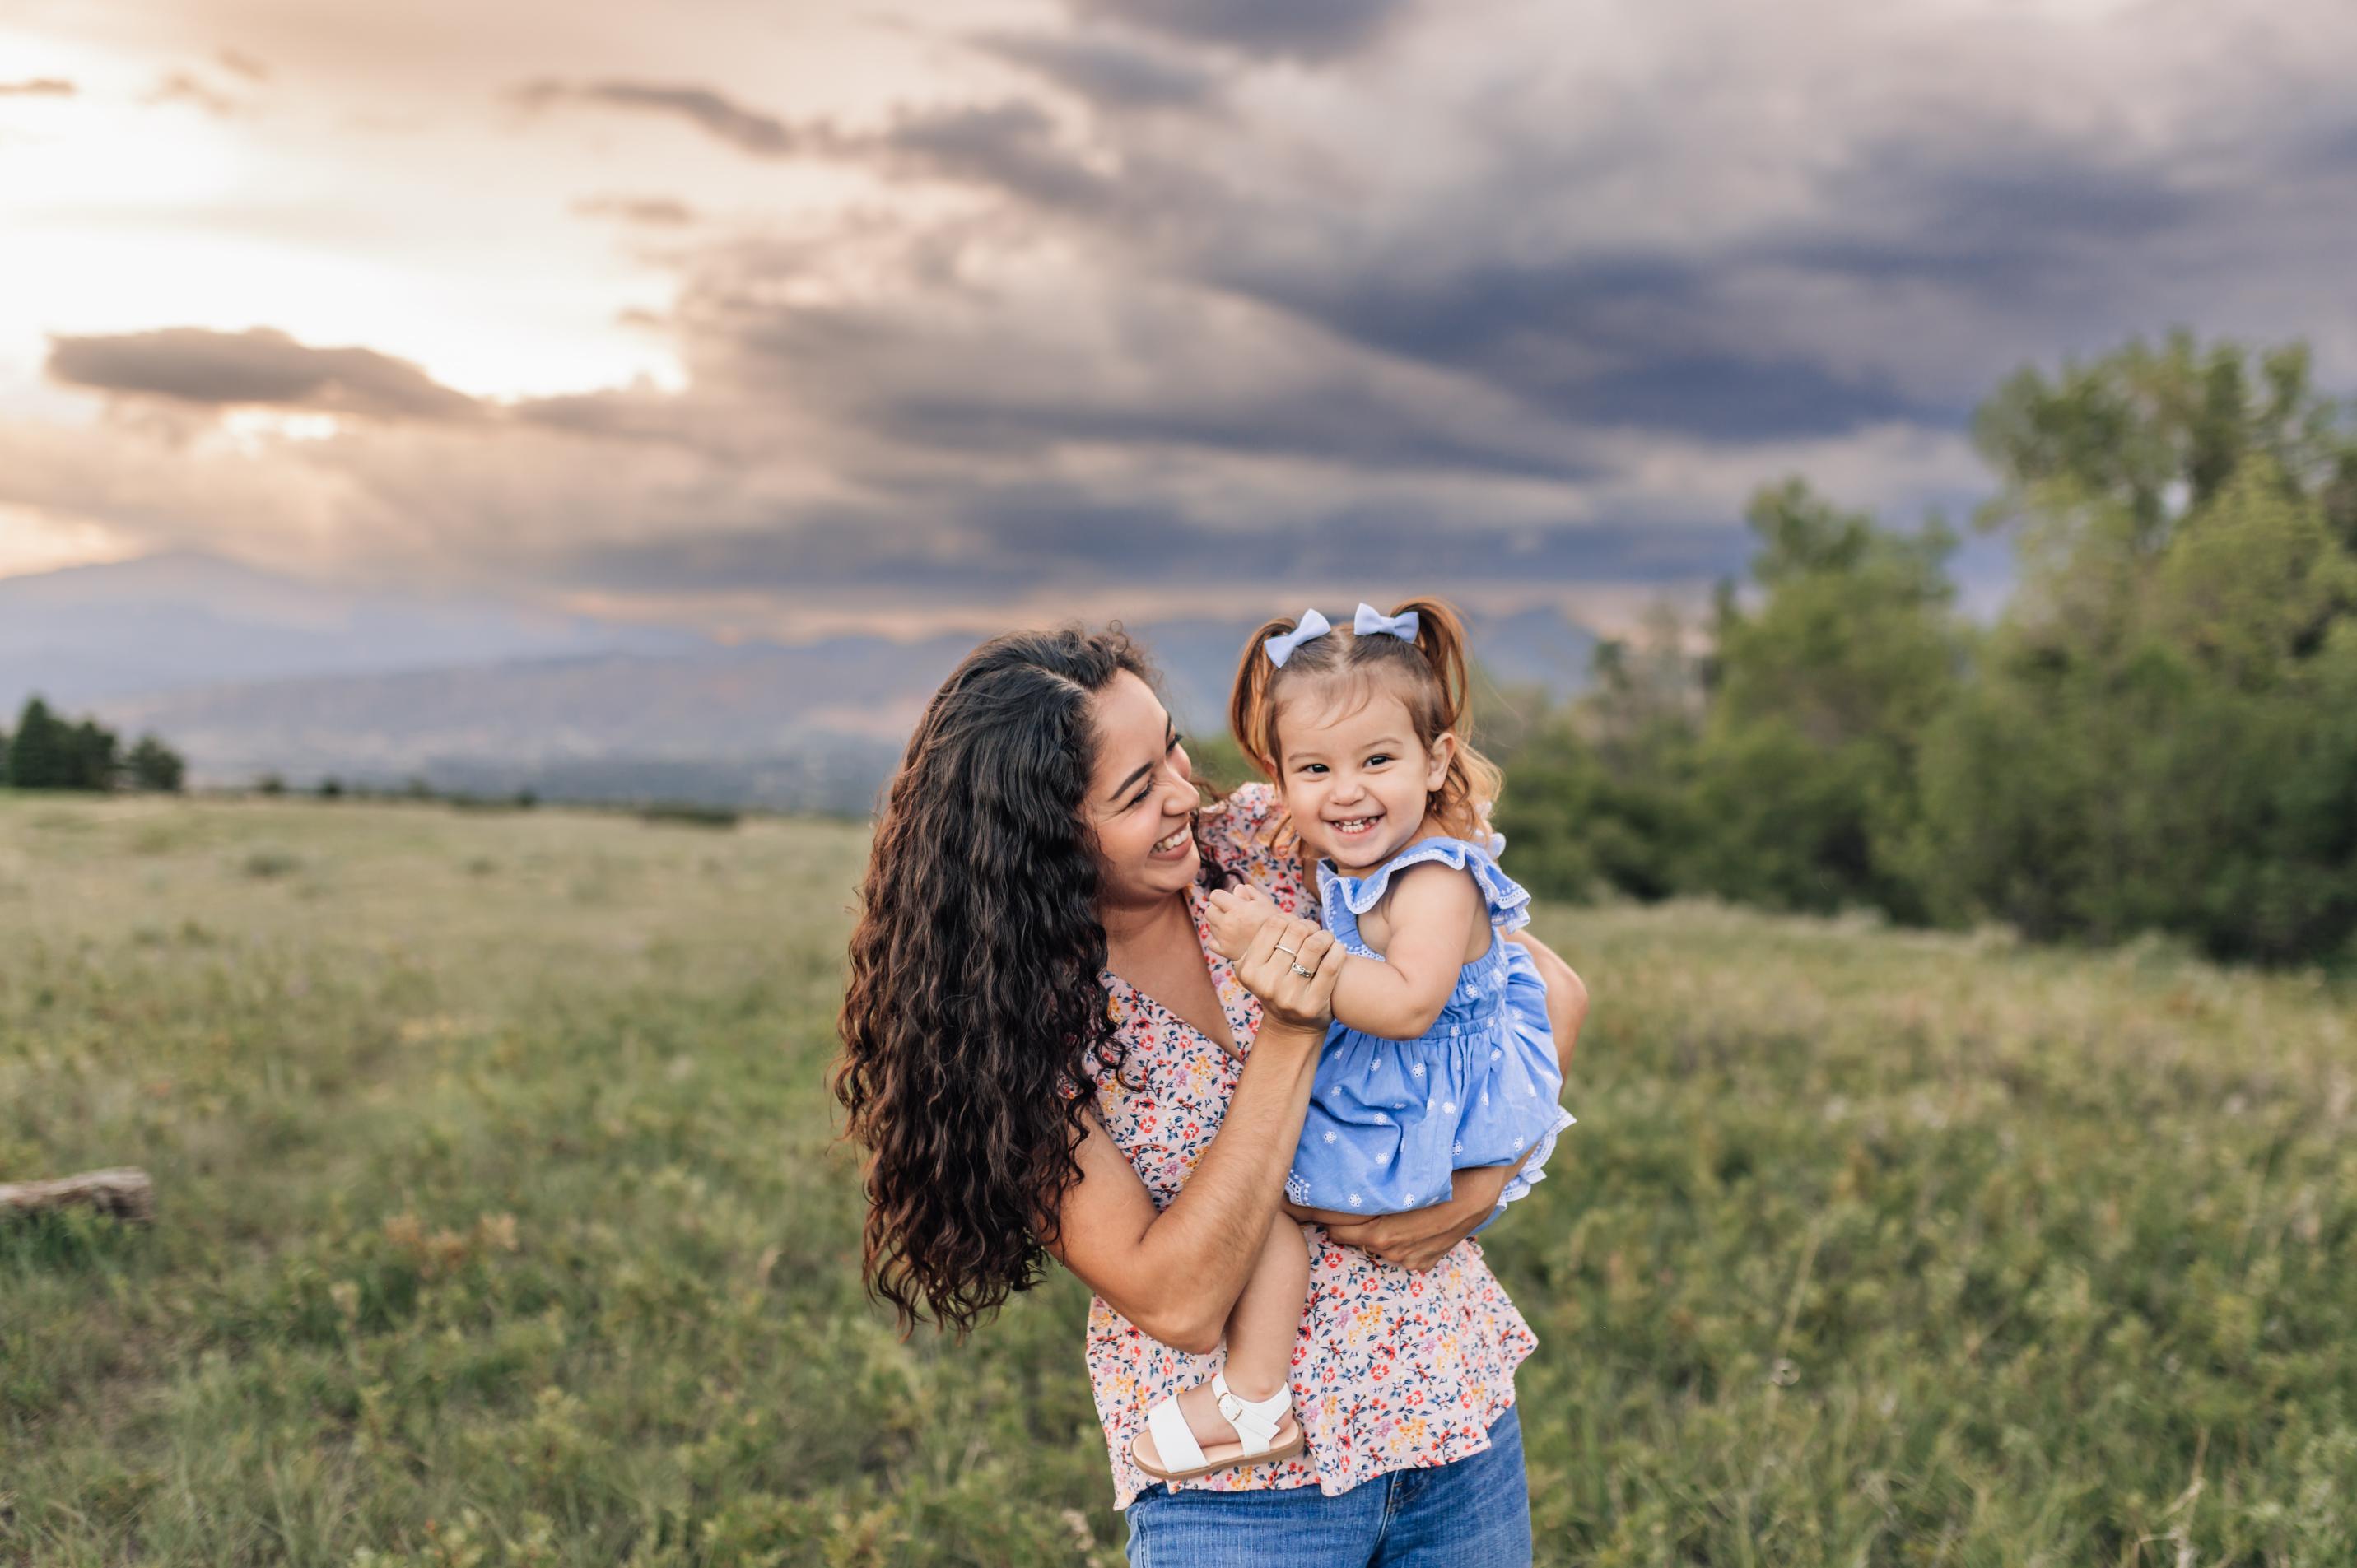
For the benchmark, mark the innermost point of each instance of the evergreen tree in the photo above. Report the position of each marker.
(41, 755)
(93, 762)
(155, 766)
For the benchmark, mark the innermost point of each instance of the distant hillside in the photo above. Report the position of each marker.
(813, 726)
(247, 672)
(184, 618)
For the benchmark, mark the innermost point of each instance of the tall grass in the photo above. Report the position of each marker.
(499, 1223)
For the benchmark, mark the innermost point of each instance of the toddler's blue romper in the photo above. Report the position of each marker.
(1391, 1120)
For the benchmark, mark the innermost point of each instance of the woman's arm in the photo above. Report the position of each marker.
(1176, 1274)
(1419, 1238)
(1567, 995)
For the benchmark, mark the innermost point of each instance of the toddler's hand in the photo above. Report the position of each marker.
(1237, 917)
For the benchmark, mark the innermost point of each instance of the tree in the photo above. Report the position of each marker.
(155, 766)
(1599, 798)
(41, 755)
(1805, 774)
(2159, 734)
(2155, 434)
(2162, 735)
(93, 760)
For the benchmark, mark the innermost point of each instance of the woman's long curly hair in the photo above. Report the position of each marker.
(976, 1018)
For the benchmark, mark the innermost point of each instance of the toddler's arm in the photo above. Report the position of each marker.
(1235, 918)
(1432, 911)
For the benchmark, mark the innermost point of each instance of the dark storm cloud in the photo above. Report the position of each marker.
(1108, 72)
(762, 135)
(1719, 397)
(261, 367)
(1317, 30)
(38, 87)
(1050, 529)
(1339, 424)
(2329, 150)
(1009, 147)
(2000, 229)
(1019, 540)
(1599, 341)
(2037, 241)
(1669, 340)
(1021, 373)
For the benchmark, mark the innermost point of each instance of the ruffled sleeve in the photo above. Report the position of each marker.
(1509, 902)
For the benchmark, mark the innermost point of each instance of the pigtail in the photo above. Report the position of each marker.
(1440, 637)
(1252, 717)
(1470, 788)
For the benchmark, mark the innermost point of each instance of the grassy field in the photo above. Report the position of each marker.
(499, 1223)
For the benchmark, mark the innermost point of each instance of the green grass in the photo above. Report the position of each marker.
(499, 1223)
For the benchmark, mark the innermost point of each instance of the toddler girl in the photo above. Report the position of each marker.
(1440, 1057)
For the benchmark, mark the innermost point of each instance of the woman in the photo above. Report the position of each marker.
(1044, 1057)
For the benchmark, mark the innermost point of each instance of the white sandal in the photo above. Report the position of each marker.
(1256, 1422)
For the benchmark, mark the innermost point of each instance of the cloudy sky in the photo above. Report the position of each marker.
(773, 317)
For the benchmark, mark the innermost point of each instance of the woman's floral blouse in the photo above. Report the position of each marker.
(1394, 1369)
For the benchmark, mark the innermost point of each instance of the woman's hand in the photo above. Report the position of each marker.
(1290, 964)
(1421, 1236)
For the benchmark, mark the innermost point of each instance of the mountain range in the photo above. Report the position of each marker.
(248, 671)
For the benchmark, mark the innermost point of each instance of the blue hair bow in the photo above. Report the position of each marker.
(1371, 620)
(1280, 647)
(1368, 622)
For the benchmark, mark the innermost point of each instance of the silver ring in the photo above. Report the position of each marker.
(1305, 973)
(1289, 952)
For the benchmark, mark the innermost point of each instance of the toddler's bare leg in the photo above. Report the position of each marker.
(1262, 1328)
(1266, 1320)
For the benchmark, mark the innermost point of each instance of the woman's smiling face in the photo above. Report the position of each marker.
(1142, 799)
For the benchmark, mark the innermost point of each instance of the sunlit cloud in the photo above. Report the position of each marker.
(32, 540)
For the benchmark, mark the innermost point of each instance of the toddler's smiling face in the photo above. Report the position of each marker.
(1356, 778)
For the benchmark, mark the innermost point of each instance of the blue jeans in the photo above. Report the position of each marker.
(1475, 1513)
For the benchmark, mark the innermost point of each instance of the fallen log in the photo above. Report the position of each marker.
(123, 1190)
